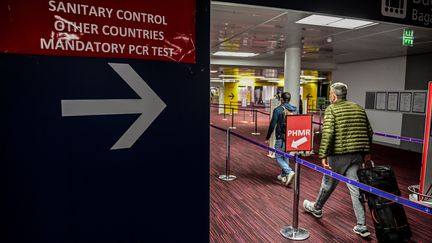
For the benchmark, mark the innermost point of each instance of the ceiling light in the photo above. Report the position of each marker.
(229, 80)
(318, 20)
(234, 54)
(252, 77)
(351, 24)
(336, 22)
(213, 71)
(311, 77)
(228, 76)
(273, 79)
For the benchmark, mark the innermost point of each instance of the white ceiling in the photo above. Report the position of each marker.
(269, 31)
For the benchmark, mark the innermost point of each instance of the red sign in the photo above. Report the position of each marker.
(426, 169)
(154, 30)
(299, 133)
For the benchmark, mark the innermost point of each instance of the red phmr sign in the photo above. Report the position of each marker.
(299, 133)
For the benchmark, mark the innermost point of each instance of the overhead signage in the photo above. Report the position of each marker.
(150, 30)
(149, 106)
(408, 37)
(408, 12)
(298, 133)
(231, 96)
(394, 8)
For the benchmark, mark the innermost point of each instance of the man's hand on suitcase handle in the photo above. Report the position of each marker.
(366, 158)
(325, 163)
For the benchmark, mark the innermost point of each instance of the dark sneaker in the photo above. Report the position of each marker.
(361, 230)
(310, 208)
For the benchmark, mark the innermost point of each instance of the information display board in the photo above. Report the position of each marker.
(405, 101)
(381, 100)
(393, 101)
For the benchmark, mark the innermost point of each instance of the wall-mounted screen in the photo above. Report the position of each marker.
(370, 100)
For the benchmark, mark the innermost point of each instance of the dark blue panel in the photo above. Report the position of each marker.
(60, 182)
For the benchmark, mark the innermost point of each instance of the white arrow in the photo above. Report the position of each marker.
(299, 142)
(149, 106)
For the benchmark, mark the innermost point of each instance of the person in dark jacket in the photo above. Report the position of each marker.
(345, 144)
(276, 124)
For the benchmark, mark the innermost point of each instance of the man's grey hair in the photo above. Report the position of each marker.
(340, 90)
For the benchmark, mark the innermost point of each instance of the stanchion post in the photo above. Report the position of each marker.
(244, 116)
(252, 111)
(312, 139)
(294, 232)
(232, 118)
(253, 115)
(224, 112)
(227, 176)
(256, 133)
(319, 125)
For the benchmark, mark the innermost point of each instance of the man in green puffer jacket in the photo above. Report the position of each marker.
(345, 144)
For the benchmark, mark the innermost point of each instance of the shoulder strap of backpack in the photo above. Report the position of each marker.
(285, 110)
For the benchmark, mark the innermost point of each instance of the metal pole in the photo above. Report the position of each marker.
(244, 116)
(312, 139)
(224, 112)
(319, 125)
(256, 133)
(227, 176)
(296, 195)
(252, 110)
(232, 119)
(253, 115)
(294, 232)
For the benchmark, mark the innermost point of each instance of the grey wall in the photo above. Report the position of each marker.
(375, 75)
(418, 74)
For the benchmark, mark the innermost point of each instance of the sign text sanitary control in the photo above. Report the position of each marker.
(299, 133)
(150, 30)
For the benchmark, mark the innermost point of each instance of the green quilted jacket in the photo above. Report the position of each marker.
(346, 130)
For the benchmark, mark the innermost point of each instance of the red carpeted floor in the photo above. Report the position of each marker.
(255, 206)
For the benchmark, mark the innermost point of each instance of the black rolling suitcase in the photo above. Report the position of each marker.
(390, 221)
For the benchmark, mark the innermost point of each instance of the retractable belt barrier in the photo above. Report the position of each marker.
(414, 140)
(373, 190)
(265, 113)
(236, 108)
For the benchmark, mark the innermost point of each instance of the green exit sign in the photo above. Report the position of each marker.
(408, 37)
